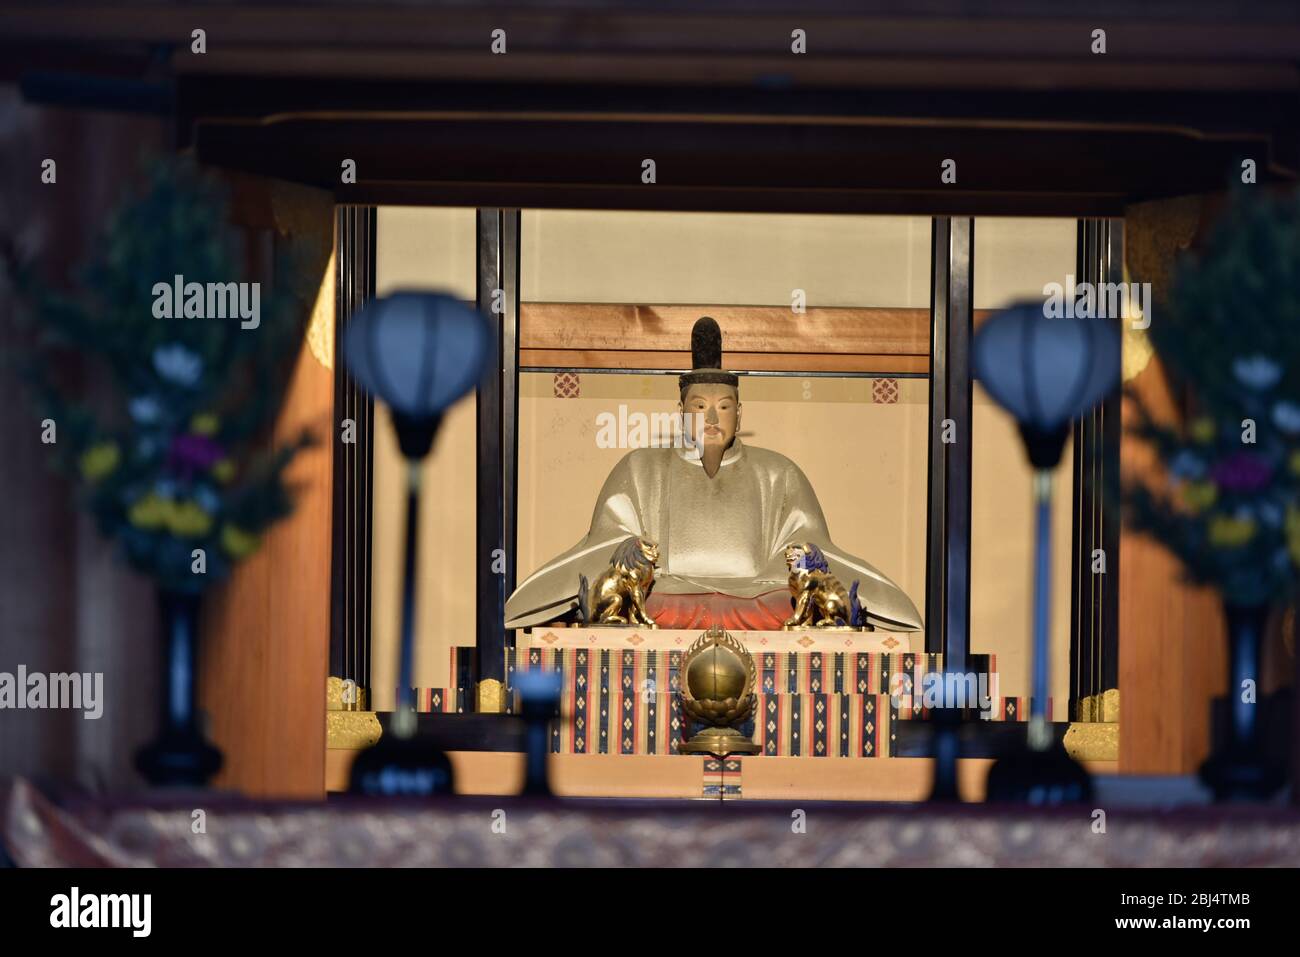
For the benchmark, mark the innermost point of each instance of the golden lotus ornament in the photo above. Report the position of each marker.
(717, 682)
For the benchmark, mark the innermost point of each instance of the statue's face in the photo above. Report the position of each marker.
(716, 408)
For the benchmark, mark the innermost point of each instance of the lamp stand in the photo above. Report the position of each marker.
(1042, 773)
(402, 765)
(404, 726)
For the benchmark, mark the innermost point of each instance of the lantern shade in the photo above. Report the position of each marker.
(1046, 371)
(417, 351)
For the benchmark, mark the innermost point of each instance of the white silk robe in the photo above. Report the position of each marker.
(726, 534)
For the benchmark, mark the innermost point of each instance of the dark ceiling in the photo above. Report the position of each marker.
(1036, 121)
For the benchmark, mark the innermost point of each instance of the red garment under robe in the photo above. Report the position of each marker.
(766, 612)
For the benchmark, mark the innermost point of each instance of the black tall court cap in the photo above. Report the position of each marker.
(706, 357)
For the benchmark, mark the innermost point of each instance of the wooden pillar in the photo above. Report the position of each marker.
(1172, 654)
(266, 632)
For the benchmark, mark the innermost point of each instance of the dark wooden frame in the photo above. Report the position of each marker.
(1094, 597)
(497, 238)
(947, 560)
(350, 644)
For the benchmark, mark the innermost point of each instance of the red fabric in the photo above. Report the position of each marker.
(767, 612)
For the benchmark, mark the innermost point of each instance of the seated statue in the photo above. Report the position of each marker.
(722, 515)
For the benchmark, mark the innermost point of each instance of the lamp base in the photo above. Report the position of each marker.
(401, 767)
(1233, 777)
(179, 758)
(1039, 777)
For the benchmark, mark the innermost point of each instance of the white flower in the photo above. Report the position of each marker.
(145, 409)
(1187, 465)
(1270, 513)
(177, 364)
(1286, 416)
(208, 500)
(1257, 372)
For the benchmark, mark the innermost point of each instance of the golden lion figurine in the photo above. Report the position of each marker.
(820, 601)
(617, 596)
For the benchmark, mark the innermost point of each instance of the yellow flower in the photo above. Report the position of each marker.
(189, 520)
(223, 471)
(205, 424)
(1293, 533)
(1202, 429)
(1198, 496)
(1228, 532)
(237, 542)
(1295, 462)
(99, 460)
(150, 512)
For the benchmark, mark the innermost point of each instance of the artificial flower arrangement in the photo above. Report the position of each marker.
(1231, 337)
(170, 466)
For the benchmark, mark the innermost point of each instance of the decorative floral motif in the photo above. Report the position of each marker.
(568, 385)
(884, 391)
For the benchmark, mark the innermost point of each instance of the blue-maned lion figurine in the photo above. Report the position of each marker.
(819, 600)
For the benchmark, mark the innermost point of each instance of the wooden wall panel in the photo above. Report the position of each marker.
(67, 599)
(613, 326)
(739, 361)
(755, 338)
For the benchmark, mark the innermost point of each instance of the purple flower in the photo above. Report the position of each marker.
(1242, 472)
(191, 453)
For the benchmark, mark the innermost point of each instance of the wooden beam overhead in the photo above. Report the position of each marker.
(1038, 123)
(886, 166)
(1156, 31)
(561, 335)
(612, 327)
